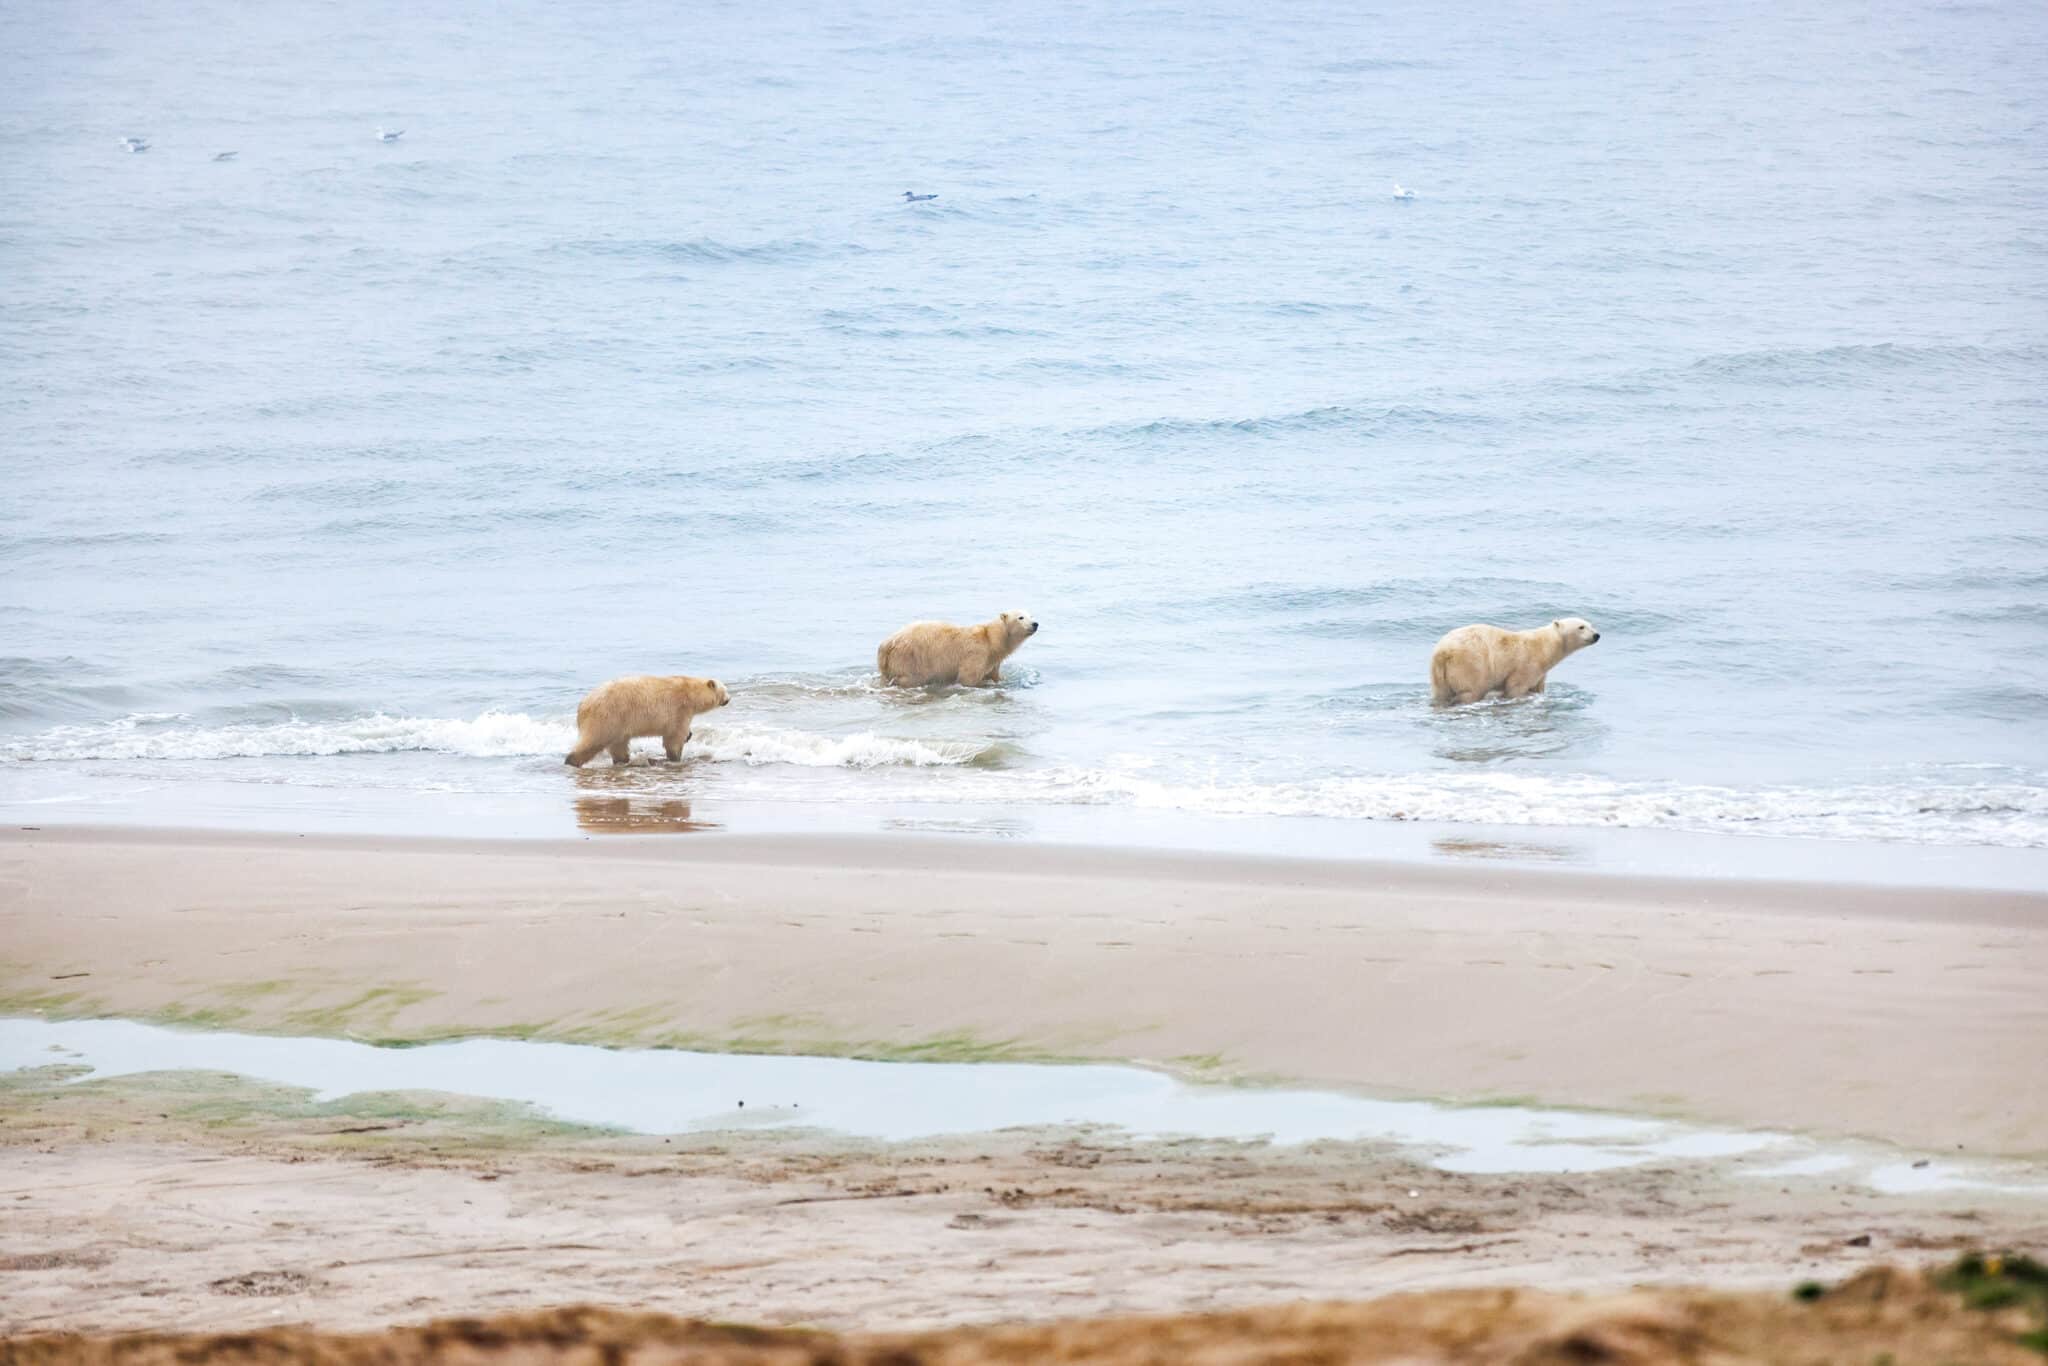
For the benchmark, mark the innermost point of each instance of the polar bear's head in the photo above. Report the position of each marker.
(1018, 626)
(724, 697)
(1576, 632)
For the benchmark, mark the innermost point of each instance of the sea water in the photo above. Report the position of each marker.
(350, 465)
(664, 1091)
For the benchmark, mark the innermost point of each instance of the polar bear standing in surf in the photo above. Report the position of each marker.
(617, 713)
(1473, 661)
(940, 652)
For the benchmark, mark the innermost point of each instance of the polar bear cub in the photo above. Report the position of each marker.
(1473, 661)
(940, 652)
(615, 714)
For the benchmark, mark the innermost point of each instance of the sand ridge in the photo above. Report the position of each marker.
(1883, 1315)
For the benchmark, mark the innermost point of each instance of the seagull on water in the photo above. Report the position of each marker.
(1400, 193)
(912, 198)
(135, 144)
(383, 136)
(223, 156)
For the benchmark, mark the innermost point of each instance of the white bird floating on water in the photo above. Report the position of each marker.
(383, 136)
(912, 197)
(1400, 193)
(223, 156)
(135, 144)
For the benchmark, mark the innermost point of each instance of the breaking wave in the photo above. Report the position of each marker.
(491, 735)
(2012, 813)
(1996, 806)
(864, 749)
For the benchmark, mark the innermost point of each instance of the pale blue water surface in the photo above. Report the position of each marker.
(351, 465)
(665, 1091)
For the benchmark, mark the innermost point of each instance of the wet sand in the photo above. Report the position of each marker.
(194, 1201)
(1906, 1015)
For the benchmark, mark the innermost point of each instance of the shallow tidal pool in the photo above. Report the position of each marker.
(660, 1091)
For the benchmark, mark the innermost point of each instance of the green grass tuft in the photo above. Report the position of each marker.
(1994, 1281)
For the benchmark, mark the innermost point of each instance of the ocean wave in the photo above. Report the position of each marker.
(1955, 805)
(1359, 65)
(1399, 417)
(51, 687)
(1841, 364)
(866, 685)
(708, 251)
(864, 749)
(147, 735)
(491, 735)
(2013, 814)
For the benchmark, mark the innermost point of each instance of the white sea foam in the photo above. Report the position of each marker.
(491, 735)
(494, 734)
(864, 749)
(974, 769)
(2009, 814)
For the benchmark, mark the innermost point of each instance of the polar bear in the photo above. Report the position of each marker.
(940, 652)
(615, 714)
(1473, 661)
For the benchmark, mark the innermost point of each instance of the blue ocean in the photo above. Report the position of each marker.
(345, 465)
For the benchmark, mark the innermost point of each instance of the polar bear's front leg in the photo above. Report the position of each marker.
(1520, 687)
(973, 670)
(672, 745)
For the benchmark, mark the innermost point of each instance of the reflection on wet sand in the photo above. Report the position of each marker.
(1506, 849)
(627, 814)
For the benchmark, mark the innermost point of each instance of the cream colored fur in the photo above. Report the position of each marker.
(619, 712)
(1474, 661)
(938, 652)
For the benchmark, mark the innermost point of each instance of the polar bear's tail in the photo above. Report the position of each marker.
(1440, 689)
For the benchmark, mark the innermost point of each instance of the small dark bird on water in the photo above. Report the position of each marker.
(911, 198)
(223, 156)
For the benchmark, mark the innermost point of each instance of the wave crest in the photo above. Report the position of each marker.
(2011, 814)
(1851, 363)
(491, 735)
(146, 735)
(864, 749)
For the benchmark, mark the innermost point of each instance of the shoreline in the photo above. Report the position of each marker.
(967, 851)
(608, 805)
(1889, 1014)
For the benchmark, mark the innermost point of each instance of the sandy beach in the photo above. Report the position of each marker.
(1899, 1015)
(198, 1204)
(198, 1200)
